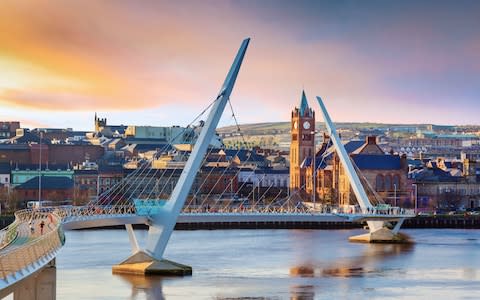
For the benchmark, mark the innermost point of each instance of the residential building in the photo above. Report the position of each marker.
(58, 189)
(22, 173)
(8, 129)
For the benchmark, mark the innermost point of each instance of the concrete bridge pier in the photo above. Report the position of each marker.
(39, 286)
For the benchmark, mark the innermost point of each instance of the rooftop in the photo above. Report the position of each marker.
(48, 183)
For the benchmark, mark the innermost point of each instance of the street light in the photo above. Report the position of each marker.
(314, 167)
(395, 195)
(416, 195)
(40, 172)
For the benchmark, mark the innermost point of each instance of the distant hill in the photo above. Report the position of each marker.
(277, 134)
(277, 127)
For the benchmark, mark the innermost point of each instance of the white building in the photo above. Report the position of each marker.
(5, 171)
(265, 177)
(171, 135)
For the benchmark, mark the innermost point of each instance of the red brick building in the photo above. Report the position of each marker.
(57, 189)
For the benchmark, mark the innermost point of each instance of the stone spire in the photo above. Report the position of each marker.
(303, 104)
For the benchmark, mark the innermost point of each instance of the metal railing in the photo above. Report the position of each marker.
(18, 257)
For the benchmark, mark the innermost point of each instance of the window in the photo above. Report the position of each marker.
(379, 184)
(306, 137)
(388, 183)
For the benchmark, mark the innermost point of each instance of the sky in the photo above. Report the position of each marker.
(160, 63)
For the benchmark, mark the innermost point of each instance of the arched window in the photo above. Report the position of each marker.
(388, 183)
(379, 184)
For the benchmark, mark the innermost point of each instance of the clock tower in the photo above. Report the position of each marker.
(303, 142)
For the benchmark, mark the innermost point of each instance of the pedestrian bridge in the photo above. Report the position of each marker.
(25, 251)
(32, 241)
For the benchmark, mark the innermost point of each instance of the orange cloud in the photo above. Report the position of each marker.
(121, 55)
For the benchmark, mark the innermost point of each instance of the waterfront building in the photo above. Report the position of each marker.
(265, 177)
(23, 173)
(447, 185)
(58, 189)
(385, 174)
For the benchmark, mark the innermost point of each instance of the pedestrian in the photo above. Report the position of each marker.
(42, 224)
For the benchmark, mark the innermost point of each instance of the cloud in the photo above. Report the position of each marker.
(125, 56)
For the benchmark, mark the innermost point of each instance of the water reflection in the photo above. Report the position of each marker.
(277, 264)
(150, 286)
(302, 292)
(357, 266)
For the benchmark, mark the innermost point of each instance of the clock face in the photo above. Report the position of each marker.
(306, 125)
(295, 125)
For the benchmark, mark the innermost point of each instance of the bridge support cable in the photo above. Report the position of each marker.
(377, 199)
(148, 176)
(119, 189)
(205, 179)
(170, 179)
(228, 168)
(162, 223)
(151, 177)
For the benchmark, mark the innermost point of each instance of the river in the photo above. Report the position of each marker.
(277, 264)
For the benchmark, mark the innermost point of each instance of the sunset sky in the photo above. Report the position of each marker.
(159, 63)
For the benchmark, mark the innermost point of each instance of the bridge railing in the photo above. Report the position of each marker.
(391, 211)
(93, 210)
(9, 233)
(30, 253)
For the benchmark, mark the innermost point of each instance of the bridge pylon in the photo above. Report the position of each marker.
(150, 260)
(378, 232)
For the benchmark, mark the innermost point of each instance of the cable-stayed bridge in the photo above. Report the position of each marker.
(143, 197)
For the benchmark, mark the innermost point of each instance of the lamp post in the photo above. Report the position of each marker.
(40, 172)
(416, 196)
(314, 169)
(395, 195)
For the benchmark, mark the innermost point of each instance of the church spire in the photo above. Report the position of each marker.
(303, 104)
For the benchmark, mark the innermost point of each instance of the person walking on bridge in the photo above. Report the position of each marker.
(42, 224)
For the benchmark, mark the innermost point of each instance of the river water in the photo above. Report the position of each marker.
(277, 264)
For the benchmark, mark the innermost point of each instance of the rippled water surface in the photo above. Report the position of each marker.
(277, 264)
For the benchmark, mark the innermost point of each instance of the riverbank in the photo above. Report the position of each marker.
(443, 221)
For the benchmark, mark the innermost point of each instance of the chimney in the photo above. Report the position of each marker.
(372, 140)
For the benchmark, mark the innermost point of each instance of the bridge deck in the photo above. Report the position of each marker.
(25, 251)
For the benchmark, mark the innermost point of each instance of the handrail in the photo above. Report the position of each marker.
(19, 257)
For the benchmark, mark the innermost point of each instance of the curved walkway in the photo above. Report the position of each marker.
(30, 248)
